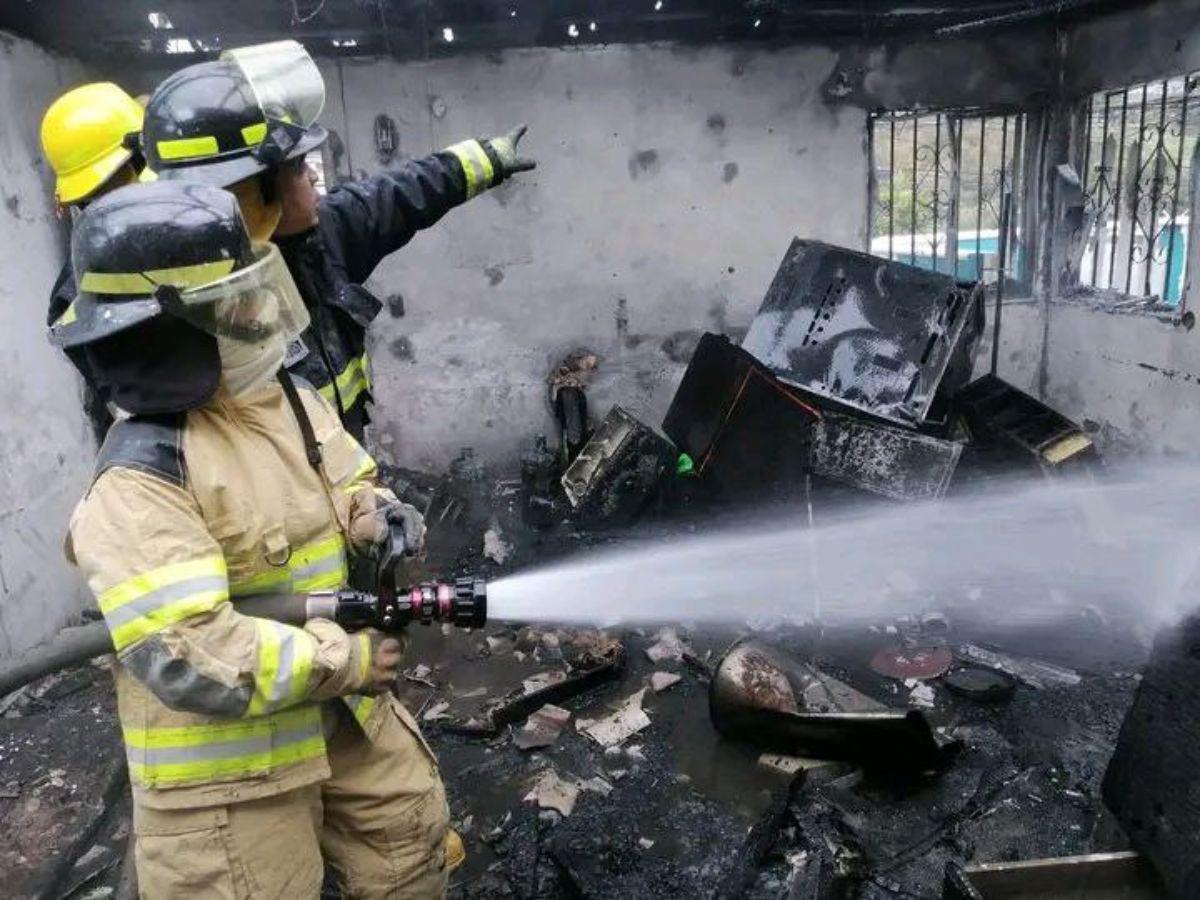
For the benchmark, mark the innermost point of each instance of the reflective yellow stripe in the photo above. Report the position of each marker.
(285, 662)
(1066, 447)
(159, 757)
(361, 707)
(144, 282)
(364, 665)
(320, 566)
(351, 382)
(364, 466)
(151, 601)
(476, 166)
(188, 148)
(70, 314)
(254, 134)
(317, 566)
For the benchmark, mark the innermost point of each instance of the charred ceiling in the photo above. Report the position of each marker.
(155, 29)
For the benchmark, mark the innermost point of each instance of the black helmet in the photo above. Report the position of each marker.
(165, 270)
(224, 121)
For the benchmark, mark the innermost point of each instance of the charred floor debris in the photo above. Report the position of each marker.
(921, 756)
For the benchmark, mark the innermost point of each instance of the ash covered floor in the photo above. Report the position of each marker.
(675, 809)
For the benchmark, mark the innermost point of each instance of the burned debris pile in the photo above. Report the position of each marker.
(856, 372)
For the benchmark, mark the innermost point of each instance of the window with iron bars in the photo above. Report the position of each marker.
(1137, 158)
(944, 187)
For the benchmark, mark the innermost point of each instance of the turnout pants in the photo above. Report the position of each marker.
(380, 822)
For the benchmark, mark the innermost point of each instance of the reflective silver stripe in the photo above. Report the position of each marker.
(282, 686)
(163, 756)
(162, 597)
(321, 566)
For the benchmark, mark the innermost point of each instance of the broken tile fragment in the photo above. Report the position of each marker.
(614, 729)
(668, 646)
(1034, 672)
(541, 681)
(921, 695)
(661, 681)
(437, 711)
(597, 785)
(790, 765)
(542, 728)
(551, 791)
(495, 547)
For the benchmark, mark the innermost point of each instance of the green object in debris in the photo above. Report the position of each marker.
(684, 465)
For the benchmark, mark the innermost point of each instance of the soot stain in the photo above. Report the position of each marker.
(395, 306)
(494, 274)
(729, 172)
(402, 349)
(643, 162)
(680, 346)
(622, 317)
(716, 123)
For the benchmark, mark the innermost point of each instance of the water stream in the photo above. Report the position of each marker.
(1020, 553)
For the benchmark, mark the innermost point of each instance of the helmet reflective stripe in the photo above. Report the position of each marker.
(207, 145)
(320, 565)
(144, 605)
(188, 148)
(162, 757)
(143, 283)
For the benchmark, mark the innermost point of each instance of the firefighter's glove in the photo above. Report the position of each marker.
(505, 149)
(408, 518)
(386, 654)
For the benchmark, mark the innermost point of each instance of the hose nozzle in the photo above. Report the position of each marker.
(462, 603)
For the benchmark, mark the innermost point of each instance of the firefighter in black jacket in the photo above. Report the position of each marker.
(246, 122)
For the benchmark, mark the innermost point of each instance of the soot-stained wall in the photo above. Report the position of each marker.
(45, 439)
(670, 183)
(1133, 378)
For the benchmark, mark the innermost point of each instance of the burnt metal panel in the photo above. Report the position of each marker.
(893, 462)
(1023, 428)
(746, 431)
(618, 469)
(871, 333)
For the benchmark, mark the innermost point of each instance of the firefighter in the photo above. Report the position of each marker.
(246, 122)
(254, 747)
(90, 137)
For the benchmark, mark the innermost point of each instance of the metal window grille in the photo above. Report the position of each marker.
(942, 185)
(1137, 159)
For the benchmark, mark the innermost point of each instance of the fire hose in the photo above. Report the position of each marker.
(391, 609)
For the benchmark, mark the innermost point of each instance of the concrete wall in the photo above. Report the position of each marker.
(46, 446)
(1132, 380)
(669, 186)
(1160, 40)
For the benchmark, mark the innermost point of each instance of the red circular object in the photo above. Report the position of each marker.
(921, 662)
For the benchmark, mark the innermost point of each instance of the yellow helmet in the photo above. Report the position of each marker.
(85, 137)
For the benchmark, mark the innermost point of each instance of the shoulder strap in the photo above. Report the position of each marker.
(152, 444)
(312, 449)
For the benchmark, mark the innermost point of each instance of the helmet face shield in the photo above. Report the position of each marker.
(286, 81)
(254, 305)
